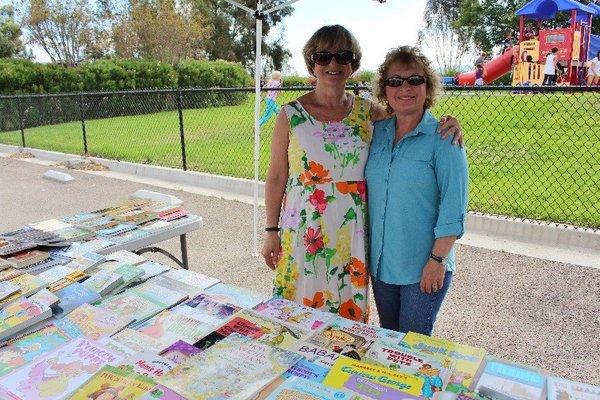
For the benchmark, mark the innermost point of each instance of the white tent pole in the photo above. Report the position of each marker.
(257, 73)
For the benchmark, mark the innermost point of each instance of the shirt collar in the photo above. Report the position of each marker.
(427, 125)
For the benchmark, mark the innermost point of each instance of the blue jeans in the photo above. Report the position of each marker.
(405, 308)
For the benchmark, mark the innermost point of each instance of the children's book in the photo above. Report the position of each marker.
(308, 370)
(138, 342)
(46, 297)
(368, 389)
(26, 258)
(395, 357)
(130, 273)
(58, 373)
(256, 326)
(303, 389)
(236, 367)
(149, 364)
(93, 322)
(160, 392)
(564, 389)
(103, 282)
(29, 347)
(8, 288)
(72, 297)
(179, 351)
(204, 308)
(55, 273)
(235, 295)
(467, 359)
(201, 281)
(113, 383)
(164, 295)
(151, 269)
(10, 273)
(178, 286)
(127, 257)
(351, 339)
(86, 261)
(117, 346)
(509, 381)
(294, 314)
(344, 368)
(29, 284)
(20, 315)
(168, 327)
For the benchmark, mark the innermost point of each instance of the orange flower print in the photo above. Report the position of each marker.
(359, 188)
(358, 272)
(317, 302)
(315, 174)
(351, 311)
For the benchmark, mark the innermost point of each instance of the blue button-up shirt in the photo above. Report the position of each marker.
(417, 193)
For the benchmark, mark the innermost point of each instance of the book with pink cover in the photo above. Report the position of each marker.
(57, 374)
(179, 351)
(294, 314)
(160, 392)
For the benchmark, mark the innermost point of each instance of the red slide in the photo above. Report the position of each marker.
(494, 69)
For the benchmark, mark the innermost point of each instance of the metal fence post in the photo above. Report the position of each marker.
(179, 99)
(21, 122)
(82, 110)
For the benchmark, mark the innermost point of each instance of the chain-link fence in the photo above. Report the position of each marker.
(534, 152)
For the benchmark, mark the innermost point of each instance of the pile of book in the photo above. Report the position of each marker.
(46, 244)
(124, 327)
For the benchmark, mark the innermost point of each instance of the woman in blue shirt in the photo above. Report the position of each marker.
(417, 186)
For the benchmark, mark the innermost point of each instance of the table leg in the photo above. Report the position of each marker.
(184, 255)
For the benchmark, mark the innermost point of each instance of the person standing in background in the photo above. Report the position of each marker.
(550, 68)
(271, 106)
(594, 71)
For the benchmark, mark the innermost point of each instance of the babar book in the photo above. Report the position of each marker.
(31, 346)
(294, 314)
(467, 359)
(113, 383)
(57, 374)
(237, 367)
(345, 367)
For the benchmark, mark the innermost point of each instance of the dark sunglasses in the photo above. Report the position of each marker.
(413, 80)
(323, 58)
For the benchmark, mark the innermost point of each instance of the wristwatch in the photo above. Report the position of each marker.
(441, 260)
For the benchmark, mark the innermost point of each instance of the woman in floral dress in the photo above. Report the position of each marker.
(316, 242)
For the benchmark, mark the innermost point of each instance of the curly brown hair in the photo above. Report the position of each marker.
(407, 56)
(331, 37)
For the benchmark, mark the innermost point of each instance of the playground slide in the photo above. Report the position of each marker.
(494, 69)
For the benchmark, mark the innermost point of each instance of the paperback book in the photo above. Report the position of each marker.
(151, 269)
(302, 389)
(103, 282)
(126, 257)
(160, 392)
(86, 261)
(138, 342)
(235, 295)
(46, 297)
(178, 286)
(20, 315)
(169, 327)
(236, 367)
(7, 289)
(26, 258)
(72, 297)
(28, 284)
(55, 273)
(113, 383)
(368, 389)
(50, 225)
(196, 279)
(509, 381)
(204, 308)
(179, 351)
(294, 314)
(57, 374)
(560, 389)
(93, 322)
(148, 364)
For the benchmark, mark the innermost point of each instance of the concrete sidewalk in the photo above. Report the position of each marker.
(541, 313)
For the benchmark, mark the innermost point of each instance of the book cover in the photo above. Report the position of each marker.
(467, 359)
(136, 304)
(165, 295)
(102, 282)
(160, 392)
(126, 257)
(204, 308)
(564, 389)
(46, 297)
(31, 346)
(129, 236)
(395, 357)
(235, 295)
(117, 346)
(55, 375)
(368, 389)
(72, 297)
(148, 364)
(130, 273)
(179, 351)
(113, 383)
(55, 273)
(26, 258)
(79, 217)
(93, 322)
(29, 284)
(236, 367)
(511, 381)
(345, 367)
(50, 225)
(201, 281)
(73, 233)
(302, 389)
(138, 342)
(154, 226)
(295, 314)
(168, 327)
(308, 370)
(7, 289)
(86, 261)
(178, 286)
(151, 269)
(111, 231)
(20, 315)
(10, 273)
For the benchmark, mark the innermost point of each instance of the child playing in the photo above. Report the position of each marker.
(479, 75)
(271, 107)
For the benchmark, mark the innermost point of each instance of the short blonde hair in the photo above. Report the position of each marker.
(408, 56)
(331, 37)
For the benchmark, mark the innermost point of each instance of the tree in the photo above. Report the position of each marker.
(10, 34)
(163, 30)
(233, 35)
(448, 45)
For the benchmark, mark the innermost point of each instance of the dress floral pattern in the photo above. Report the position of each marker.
(322, 262)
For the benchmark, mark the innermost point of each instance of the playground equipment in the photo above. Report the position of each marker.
(527, 58)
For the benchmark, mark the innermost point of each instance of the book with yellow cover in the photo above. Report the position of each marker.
(113, 383)
(467, 359)
(344, 368)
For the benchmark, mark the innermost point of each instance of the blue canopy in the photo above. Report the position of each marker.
(594, 46)
(547, 9)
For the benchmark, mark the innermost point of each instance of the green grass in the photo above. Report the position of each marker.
(532, 156)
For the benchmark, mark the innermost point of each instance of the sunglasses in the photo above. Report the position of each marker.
(413, 80)
(323, 58)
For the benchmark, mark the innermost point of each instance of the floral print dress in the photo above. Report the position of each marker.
(322, 262)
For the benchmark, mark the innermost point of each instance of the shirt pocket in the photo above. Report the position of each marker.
(416, 163)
